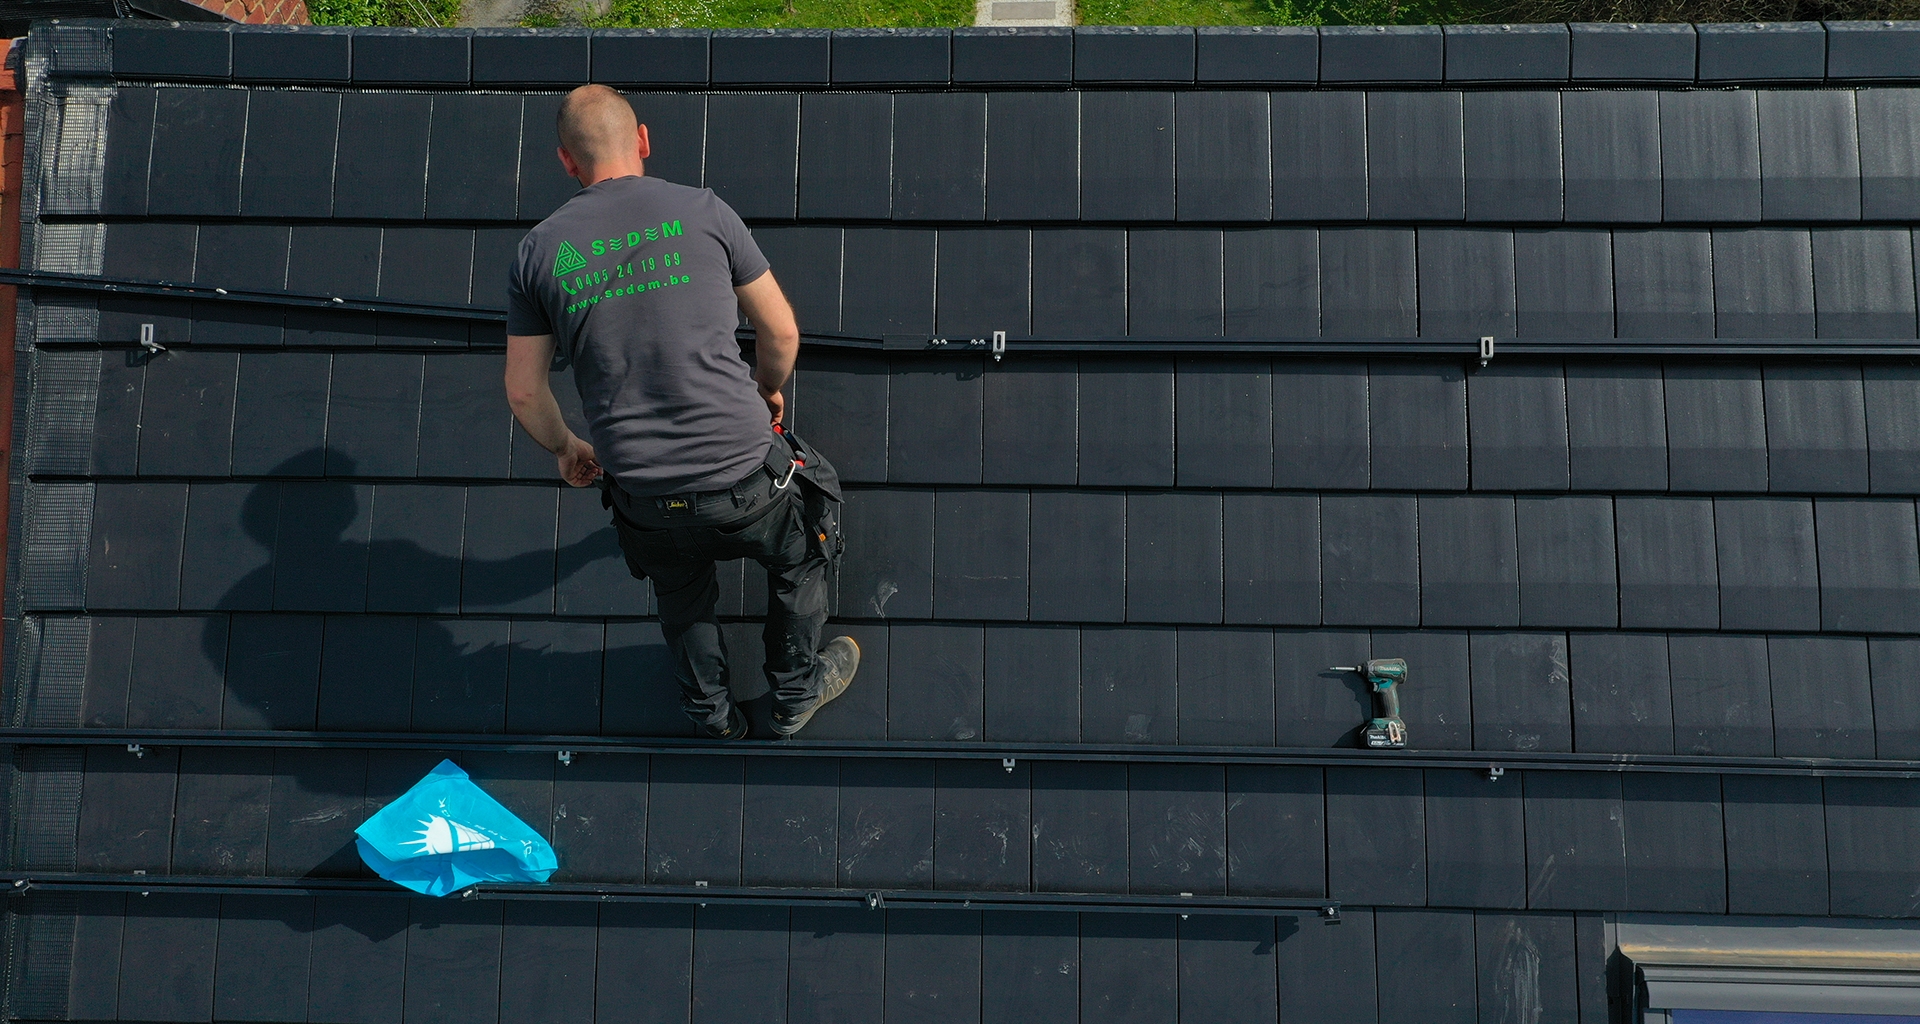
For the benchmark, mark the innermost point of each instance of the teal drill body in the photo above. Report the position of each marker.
(1386, 731)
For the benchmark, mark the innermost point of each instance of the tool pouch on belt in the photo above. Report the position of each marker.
(801, 463)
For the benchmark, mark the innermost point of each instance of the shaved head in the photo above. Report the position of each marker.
(597, 126)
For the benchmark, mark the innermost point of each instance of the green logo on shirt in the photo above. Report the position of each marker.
(567, 260)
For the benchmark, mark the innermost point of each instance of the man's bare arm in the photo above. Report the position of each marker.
(530, 394)
(777, 338)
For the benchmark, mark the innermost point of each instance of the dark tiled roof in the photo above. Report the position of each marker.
(1658, 559)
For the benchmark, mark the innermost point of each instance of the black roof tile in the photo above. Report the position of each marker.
(472, 153)
(1676, 845)
(1616, 52)
(1517, 428)
(411, 56)
(1320, 424)
(1271, 283)
(1220, 156)
(751, 152)
(1223, 423)
(980, 561)
(1256, 53)
(1028, 55)
(1722, 701)
(766, 57)
(1871, 49)
(1441, 986)
(1892, 429)
(305, 54)
(1228, 691)
(174, 51)
(1415, 168)
(1622, 694)
(1466, 282)
(1513, 156)
(1889, 171)
(1174, 561)
(1816, 429)
(1382, 53)
(1809, 155)
(1710, 156)
(1324, 177)
(1075, 577)
(944, 447)
(1507, 53)
(939, 156)
(1768, 576)
(1762, 283)
(1521, 691)
(1119, 701)
(1031, 684)
(1127, 143)
(554, 56)
(1376, 821)
(1567, 562)
(1576, 845)
(650, 56)
(1610, 150)
(1468, 569)
(1727, 451)
(1033, 146)
(1133, 54)
(1417, 426)
(1770, 50)
(892, 55)
(1865, 820)
(1476, 855)
(1763, 872)
(846, 156)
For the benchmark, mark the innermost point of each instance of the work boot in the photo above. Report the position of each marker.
(838, 662)
(737, 726)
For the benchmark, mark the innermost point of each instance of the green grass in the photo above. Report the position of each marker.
(759, 14)
(1284, 12)
(384, 12)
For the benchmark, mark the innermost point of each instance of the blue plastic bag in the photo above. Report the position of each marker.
(446, 833)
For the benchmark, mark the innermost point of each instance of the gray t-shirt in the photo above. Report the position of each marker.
(634, 278)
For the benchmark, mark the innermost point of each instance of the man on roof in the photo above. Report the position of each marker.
(640, 284)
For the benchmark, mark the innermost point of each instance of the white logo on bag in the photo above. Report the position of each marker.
(439, 835)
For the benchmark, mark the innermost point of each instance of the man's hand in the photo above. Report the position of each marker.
(776, 402)
(577, 463)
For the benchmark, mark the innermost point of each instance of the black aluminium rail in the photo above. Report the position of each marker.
(1484, 349)
(564, 748)
(22, 883)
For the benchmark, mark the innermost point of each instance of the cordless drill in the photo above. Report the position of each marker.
(1386, 731)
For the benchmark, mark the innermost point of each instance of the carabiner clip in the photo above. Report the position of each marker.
(781, 485)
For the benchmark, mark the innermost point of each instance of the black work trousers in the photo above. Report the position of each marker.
(675, 541)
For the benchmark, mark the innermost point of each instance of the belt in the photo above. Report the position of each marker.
(771, 477)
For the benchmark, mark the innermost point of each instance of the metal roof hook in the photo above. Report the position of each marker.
(875, 901)
(146, 340)
(1486, 351)
(999, 345)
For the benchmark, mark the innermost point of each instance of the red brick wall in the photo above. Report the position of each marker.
(260, 12)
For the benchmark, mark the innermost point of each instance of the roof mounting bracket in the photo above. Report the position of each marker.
(1330, 914)
(999, 345)
(1486, 351)
(146, 340)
